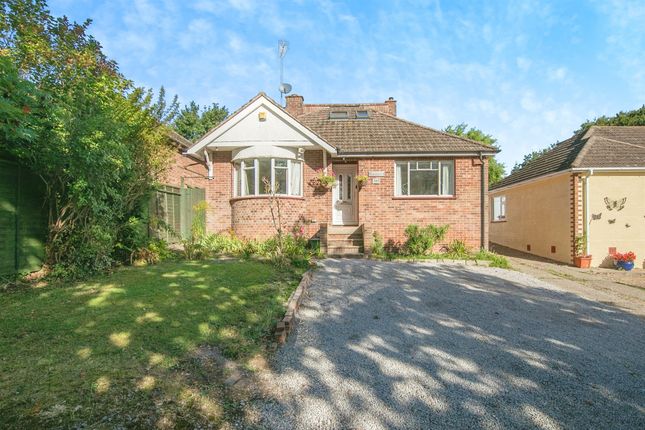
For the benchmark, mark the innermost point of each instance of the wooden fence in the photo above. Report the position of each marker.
(175, 209)
(23, 219)
(23, 216)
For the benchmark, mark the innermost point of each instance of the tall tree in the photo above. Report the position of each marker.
(193, 122)
(532, 156)
(496, 170)
(632, 117)
(91, 136)
(163, 111)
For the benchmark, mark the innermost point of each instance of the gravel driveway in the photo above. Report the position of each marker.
(398, 345)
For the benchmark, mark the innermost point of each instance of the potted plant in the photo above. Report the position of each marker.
(581, 259)
(625, 261)
(361, 180)
(323, 180)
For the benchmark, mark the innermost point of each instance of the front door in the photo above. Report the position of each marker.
(344, 197)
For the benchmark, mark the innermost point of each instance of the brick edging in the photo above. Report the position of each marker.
(286, 324)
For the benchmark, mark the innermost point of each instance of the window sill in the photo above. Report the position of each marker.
(453, 197)
(498, 220)
(264, 196)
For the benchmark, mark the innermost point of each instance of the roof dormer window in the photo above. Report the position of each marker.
(338, 115)
(362, 114)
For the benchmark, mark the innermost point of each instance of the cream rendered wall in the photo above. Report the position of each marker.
(602, 233)
(538, 214)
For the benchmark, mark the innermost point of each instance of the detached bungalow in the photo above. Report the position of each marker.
(591, 185)
(389, 173)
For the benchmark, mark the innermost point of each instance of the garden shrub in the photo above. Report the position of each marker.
(223, 243)
(420, 240)
(457, 249)
(499, 261)
(94, 139)
(378, 247)
(496, 260)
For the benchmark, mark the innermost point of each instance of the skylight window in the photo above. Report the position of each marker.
(362, 114)
(338, 115)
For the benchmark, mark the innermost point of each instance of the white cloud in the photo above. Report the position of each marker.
(523, 63)
(557, 74)
(529, 102)
(235, 42)
(198, 32)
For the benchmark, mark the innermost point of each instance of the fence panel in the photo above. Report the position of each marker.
(23, 219)
(190, 198)
(173, 206)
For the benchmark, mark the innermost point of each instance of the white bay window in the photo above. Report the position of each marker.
(425, 178)
(283, 175)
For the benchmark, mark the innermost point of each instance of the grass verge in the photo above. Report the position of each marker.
(120, 350)
(496, 260)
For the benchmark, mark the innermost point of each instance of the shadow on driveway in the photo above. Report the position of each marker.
(400, 345)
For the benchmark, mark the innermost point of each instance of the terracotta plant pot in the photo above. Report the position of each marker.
(582, 261)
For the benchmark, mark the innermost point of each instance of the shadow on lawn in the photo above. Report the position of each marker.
(457, 347)
(123, 350)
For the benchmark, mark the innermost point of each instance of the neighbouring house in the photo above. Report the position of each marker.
(411, 174)
(591, 185)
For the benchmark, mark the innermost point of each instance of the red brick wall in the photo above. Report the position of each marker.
(378, 208)
(218, 190)
(251, 217)
(219, 193)
(380, 211)
(318, 207)
(188, 168)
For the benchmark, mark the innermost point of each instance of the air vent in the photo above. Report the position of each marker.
(338, 115)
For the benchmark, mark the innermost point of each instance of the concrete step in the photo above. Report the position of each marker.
(332, 242)
(355, 255)
(344, 229)
(344, 249)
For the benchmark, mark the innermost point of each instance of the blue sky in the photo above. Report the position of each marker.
(528, 72)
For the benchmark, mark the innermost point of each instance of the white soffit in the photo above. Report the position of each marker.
(265, 151)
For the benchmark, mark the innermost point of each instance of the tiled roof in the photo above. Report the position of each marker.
(598, 147)
(179, 140)
(382, 133)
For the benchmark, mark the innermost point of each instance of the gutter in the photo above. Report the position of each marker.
(413, 154)
(483, 188)
(608, 169)
(571, 170)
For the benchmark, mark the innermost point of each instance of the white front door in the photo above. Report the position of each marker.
(344, 198)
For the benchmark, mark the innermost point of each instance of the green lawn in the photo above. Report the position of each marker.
(120, 350)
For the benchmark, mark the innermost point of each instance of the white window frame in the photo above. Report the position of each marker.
(239, 177)
(409, 163)
(501, 216)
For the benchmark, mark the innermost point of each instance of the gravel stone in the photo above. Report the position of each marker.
(383, 345)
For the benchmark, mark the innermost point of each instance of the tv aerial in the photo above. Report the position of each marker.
(284, 88)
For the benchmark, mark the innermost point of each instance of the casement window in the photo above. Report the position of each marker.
(425, 178)
(499, 208)
(284, 176)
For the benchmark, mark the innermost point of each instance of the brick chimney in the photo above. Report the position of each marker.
(295, 104)
(391, 105)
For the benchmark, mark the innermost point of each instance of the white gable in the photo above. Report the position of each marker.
(260, 123)
(251, 130)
